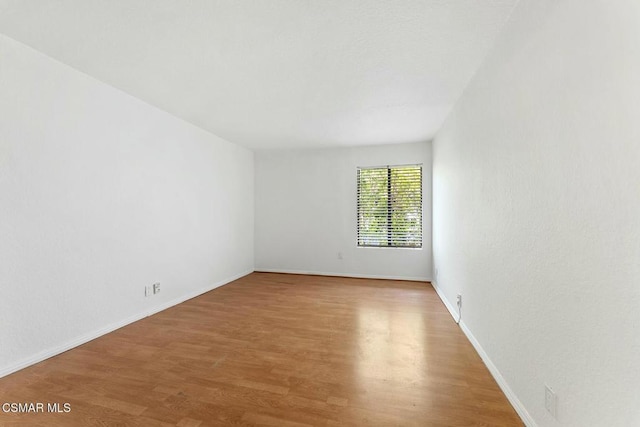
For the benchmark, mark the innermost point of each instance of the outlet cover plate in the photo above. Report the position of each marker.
(550, 401)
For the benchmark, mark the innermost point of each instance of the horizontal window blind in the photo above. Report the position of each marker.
(390, 206)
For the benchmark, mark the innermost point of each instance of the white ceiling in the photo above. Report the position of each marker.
(275, 73)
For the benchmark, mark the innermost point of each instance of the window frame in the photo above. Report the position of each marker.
(389, 216)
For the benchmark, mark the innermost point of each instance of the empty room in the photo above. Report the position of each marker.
(320, 213)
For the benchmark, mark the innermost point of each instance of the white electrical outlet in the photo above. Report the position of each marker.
(156, 288)
(459, 300)
(148, 291)
(550, 401)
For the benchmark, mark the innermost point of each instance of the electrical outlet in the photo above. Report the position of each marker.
(459, 300)
(156, 288)
(550, 401)
(148, 291)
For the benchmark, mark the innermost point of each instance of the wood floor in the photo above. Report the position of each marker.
(274, 350)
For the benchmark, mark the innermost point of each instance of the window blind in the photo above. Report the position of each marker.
(390, 206)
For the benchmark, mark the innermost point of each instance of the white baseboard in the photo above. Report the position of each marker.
(46, 354)
(445, 301)
(196, 293)
(502, 383)
(356, 276)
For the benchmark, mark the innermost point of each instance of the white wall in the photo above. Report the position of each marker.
(537, 210)
(306, 212)
(100, 195)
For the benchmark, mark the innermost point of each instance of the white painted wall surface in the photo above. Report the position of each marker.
(100, 195)
(306, 212)
(537, 210)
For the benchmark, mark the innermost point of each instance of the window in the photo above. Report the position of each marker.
(390, 206)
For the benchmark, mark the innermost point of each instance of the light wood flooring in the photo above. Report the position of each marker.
(274, 350)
